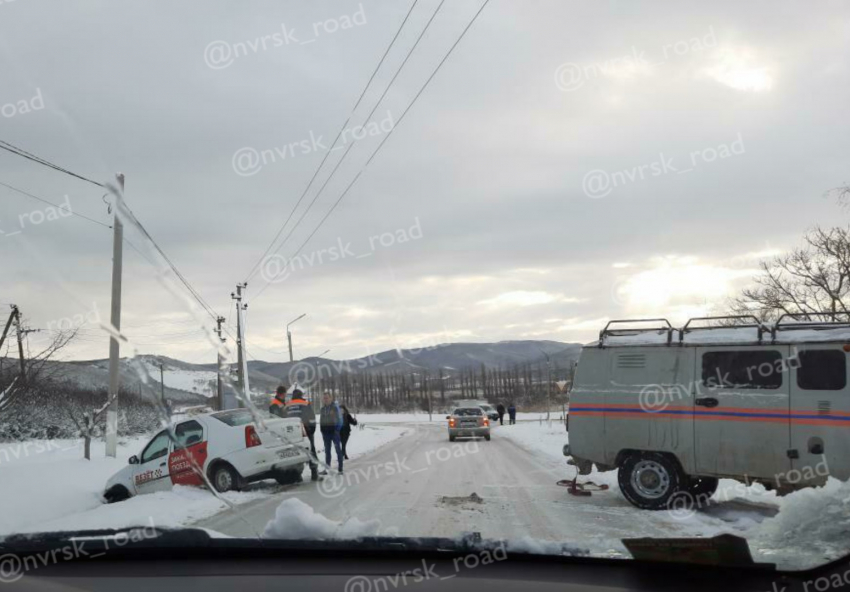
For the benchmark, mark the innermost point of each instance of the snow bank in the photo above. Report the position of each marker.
(811, 528)
(167, 509)
(47, 485)
(295, 519)
(45, 480)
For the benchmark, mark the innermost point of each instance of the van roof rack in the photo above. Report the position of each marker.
(609, 332)
(755, 324)
(807, 323)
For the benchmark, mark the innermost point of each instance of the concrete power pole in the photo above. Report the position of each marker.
(115, 319)
(220, 362)
(161, 383)
(240, 344)
(20, 334)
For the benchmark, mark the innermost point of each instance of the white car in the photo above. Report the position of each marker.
(228, 446)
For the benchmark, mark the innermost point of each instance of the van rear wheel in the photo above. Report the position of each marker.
(649, 480)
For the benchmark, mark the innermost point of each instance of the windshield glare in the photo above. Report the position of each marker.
(565, 279)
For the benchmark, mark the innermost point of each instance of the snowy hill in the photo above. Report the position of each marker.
(196, 383)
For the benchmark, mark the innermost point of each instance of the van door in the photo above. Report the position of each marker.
(741, 411)
(820, 413)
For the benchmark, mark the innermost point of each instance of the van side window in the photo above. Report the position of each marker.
(742, 369)
(822, 370)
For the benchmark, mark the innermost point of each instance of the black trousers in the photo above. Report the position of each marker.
(501, 418)
(343, 436)
(311, 435)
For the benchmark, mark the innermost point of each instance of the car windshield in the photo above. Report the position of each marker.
(572, 278)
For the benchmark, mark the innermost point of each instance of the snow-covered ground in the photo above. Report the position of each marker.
(49, 486)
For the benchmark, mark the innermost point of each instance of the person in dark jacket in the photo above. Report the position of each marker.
(500, 409)
(299, 407)
(330, 422)
(278, 404)
(348, 420)
(512, 413)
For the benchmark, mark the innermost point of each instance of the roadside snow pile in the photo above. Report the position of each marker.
(295, 519)
(540, 437)
(162, 509)
(811, 528)
(45, 480)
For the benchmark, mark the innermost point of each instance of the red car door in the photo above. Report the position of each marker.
(186, 462)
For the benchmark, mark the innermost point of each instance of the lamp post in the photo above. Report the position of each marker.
(289, 335)
(548, 381)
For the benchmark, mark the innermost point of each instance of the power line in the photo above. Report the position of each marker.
(23, 153)
(41, 199)
(381, 145)
(29, 156)
(353, 142)
(327, 154)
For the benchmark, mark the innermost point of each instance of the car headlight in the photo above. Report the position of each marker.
(566, 450)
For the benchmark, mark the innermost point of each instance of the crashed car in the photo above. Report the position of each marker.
(229, 448)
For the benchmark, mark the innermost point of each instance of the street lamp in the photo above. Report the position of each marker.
(548, 380)
(289, 335)
(316, 381)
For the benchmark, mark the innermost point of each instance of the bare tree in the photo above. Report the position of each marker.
(87, 422)
(810, 279)
(37, 371)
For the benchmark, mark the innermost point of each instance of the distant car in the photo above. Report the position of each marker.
(490, 411)
(468, 422)
(230, 447)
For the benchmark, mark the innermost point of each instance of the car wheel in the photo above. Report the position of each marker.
(225, 478)
(289, 476)
(649, 480)
(451, 438)
(487, 437)
(116, 494)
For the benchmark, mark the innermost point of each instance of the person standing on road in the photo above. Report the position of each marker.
(330, 422)
(512, 413)
(302, 409)
(278, 404)
(500, 409)
(348, 420)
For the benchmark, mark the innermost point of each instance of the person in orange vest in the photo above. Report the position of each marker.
(299, 407)
(279, 402)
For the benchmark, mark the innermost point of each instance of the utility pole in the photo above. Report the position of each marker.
(240, 344)
(8, 324)
(289, 335)
(161, 384)
(115, 320)
(20, 334)
(220, 362)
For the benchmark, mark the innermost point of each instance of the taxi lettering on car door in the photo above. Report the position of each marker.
(186, 461)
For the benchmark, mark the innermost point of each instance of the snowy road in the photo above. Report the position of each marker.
(422, 484)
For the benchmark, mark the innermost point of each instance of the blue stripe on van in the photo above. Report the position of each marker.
(714, 413)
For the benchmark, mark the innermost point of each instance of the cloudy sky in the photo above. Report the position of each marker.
(569, 163)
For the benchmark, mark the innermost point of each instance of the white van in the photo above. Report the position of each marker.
(675, 409)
